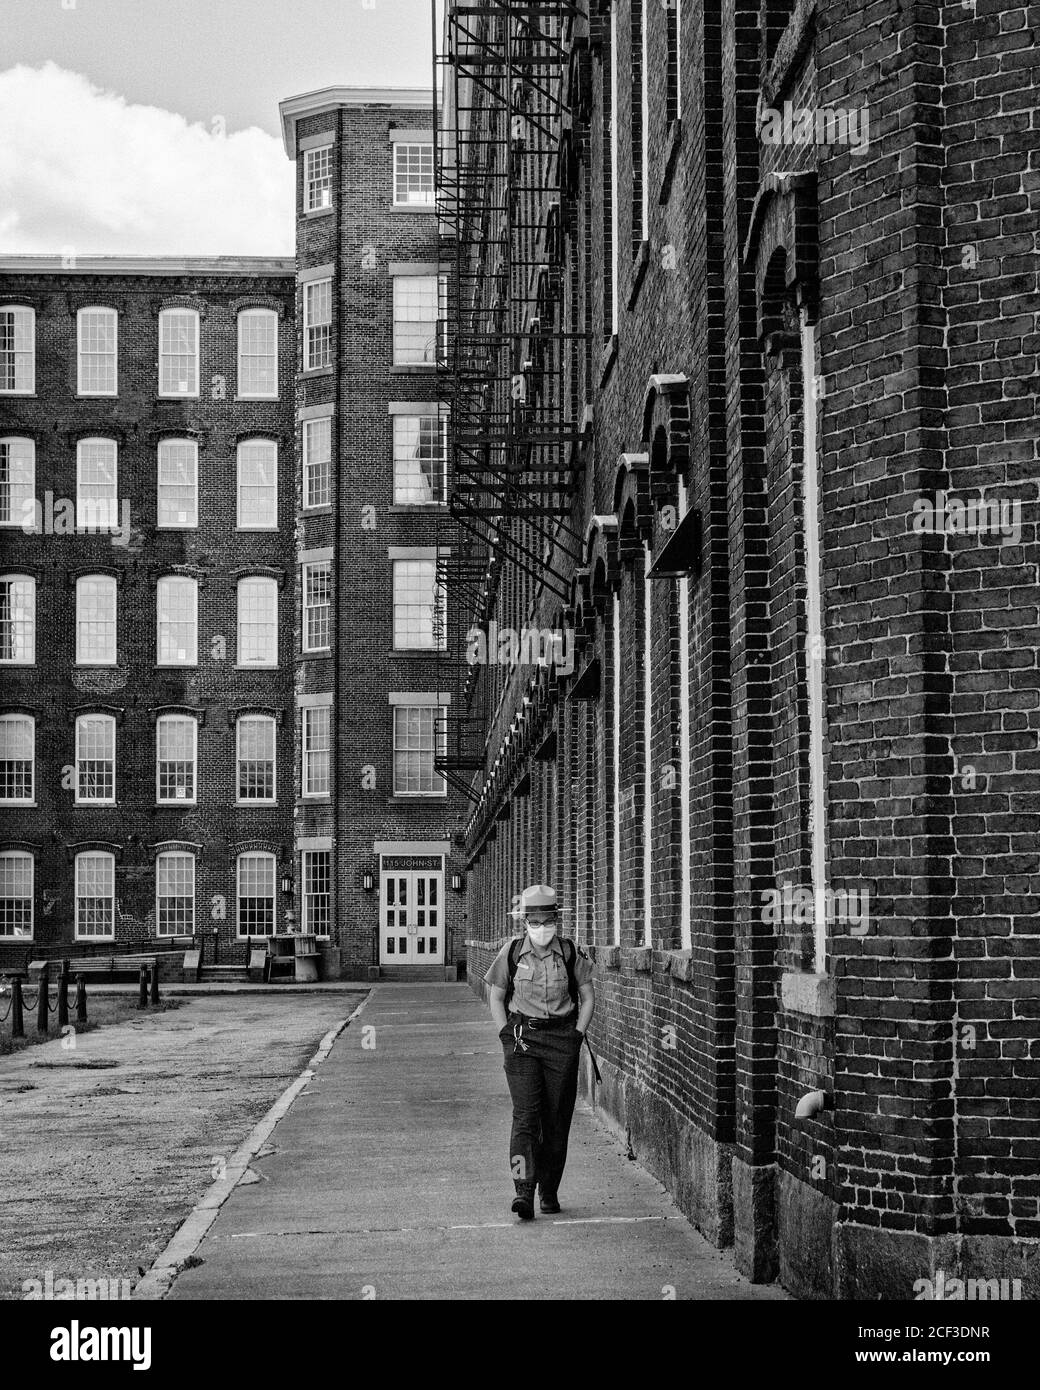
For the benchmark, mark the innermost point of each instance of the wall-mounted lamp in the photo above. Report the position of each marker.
(287, 882)
(456, 882)
(367, 881)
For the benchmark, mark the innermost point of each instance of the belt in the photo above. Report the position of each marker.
(534, 1023)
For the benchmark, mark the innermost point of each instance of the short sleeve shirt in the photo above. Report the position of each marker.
(539, 985)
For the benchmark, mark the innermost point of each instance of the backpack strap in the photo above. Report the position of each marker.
(568, 960)
(511, 968)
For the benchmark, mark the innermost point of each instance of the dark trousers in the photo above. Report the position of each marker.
(543, 1084)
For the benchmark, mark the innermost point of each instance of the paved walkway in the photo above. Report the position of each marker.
(388, 1179)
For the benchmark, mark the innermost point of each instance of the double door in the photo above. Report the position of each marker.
(411, 918)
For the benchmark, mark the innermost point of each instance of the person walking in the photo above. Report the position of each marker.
(542, 1000)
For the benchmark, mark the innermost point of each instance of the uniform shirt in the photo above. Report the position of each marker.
(539, 986)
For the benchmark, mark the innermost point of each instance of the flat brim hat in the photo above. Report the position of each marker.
(538, 895)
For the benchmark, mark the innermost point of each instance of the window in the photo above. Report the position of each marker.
(178, 352)
(178, 486)
(17, 351)
(95, 895)
(317, 891)
(317, 178)
(17, 620)
(317, 743)
(95, 759)
(258, 353)
(175, 894)
(255, 915)
(317, 462)
(176, 746)
(97, 500)
(96, 620)
(413, 175)
(17, 481)
(255, 745)
(97, 334)
(420, 459)
(317, 607)
(17, 758)
(258, 485)
(317, 325)
(177, 621)
(638, 124)
(16, 893)
(257, 621)
(419, 606)
(418, 732)
(417, 312)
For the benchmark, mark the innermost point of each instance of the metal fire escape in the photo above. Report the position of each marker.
(499, 125)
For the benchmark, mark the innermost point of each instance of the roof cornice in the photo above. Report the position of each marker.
(149, 265)
(294, 109)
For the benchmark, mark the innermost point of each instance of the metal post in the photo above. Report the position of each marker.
(42, 1001)
(142, 988)
(17, 1021)
(81, 1000)
(63, 995)
(155, 981)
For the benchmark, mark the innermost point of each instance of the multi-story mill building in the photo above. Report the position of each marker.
(221, 626)
(743, 307)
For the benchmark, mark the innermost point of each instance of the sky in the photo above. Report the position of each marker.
(150, 127)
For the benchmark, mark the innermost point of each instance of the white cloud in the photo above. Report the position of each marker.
(82, 168)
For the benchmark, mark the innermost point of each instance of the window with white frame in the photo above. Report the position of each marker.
(17, 350)
(317, 178)
(97, 487)
(178, 485)
(258, 354)
(257, 485)
(17, 481)
(96, 620)
(420, 459)
(419, 733)
(255, 893)
(16, 893)
(419, 607)
(257, 621)
(175, 893)
(317, 462)
(178, 352)
(316, 873)
(317, 325)
(17, 620)
(317, 606)
(255, 755)
(95, 895)
(317, 745)
(95, 760)
(417, 320)
(17, 759)
(413, 175)
(97, 334)
(176, 758)
(177, 621)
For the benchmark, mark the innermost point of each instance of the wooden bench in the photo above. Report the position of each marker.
(96, 965)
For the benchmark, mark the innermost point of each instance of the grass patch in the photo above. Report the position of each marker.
(102, 1011)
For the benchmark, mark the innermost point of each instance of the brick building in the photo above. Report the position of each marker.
(146, 601)
(222, 627)
(743, 328)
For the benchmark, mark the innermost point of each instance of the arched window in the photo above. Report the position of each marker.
(16, 894)
(17, 759)
(257, 485)
(178, 352)
(255, 779)
(17, 480)
(17, 620)
(255, 900)
(97, 332)
(175, 893)
(97, 487)
(96, 620)
(17, 350)
(176, 759)
(177, 485)
(177, 621)
(257, 621)
(95, 760)
(258, 354)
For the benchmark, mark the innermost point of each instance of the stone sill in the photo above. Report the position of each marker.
(309, 214)
(419, 508)
(416, 369)
(679, 964)
(802, 992)
(310, 372)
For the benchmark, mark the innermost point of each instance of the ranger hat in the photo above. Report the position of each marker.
(538, 895)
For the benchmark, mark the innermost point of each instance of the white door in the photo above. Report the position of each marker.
(411, 917)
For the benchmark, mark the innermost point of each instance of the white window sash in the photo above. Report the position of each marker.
(87, 355)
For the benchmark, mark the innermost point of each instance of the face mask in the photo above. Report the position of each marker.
(541, 936)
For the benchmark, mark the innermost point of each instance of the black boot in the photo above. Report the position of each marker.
(523, 1202)
(548, 1201)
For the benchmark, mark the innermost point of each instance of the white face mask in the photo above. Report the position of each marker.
(541, 936)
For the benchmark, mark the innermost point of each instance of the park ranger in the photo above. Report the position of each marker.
(542, 999)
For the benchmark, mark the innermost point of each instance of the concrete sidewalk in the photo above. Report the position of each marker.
(389, 1179)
